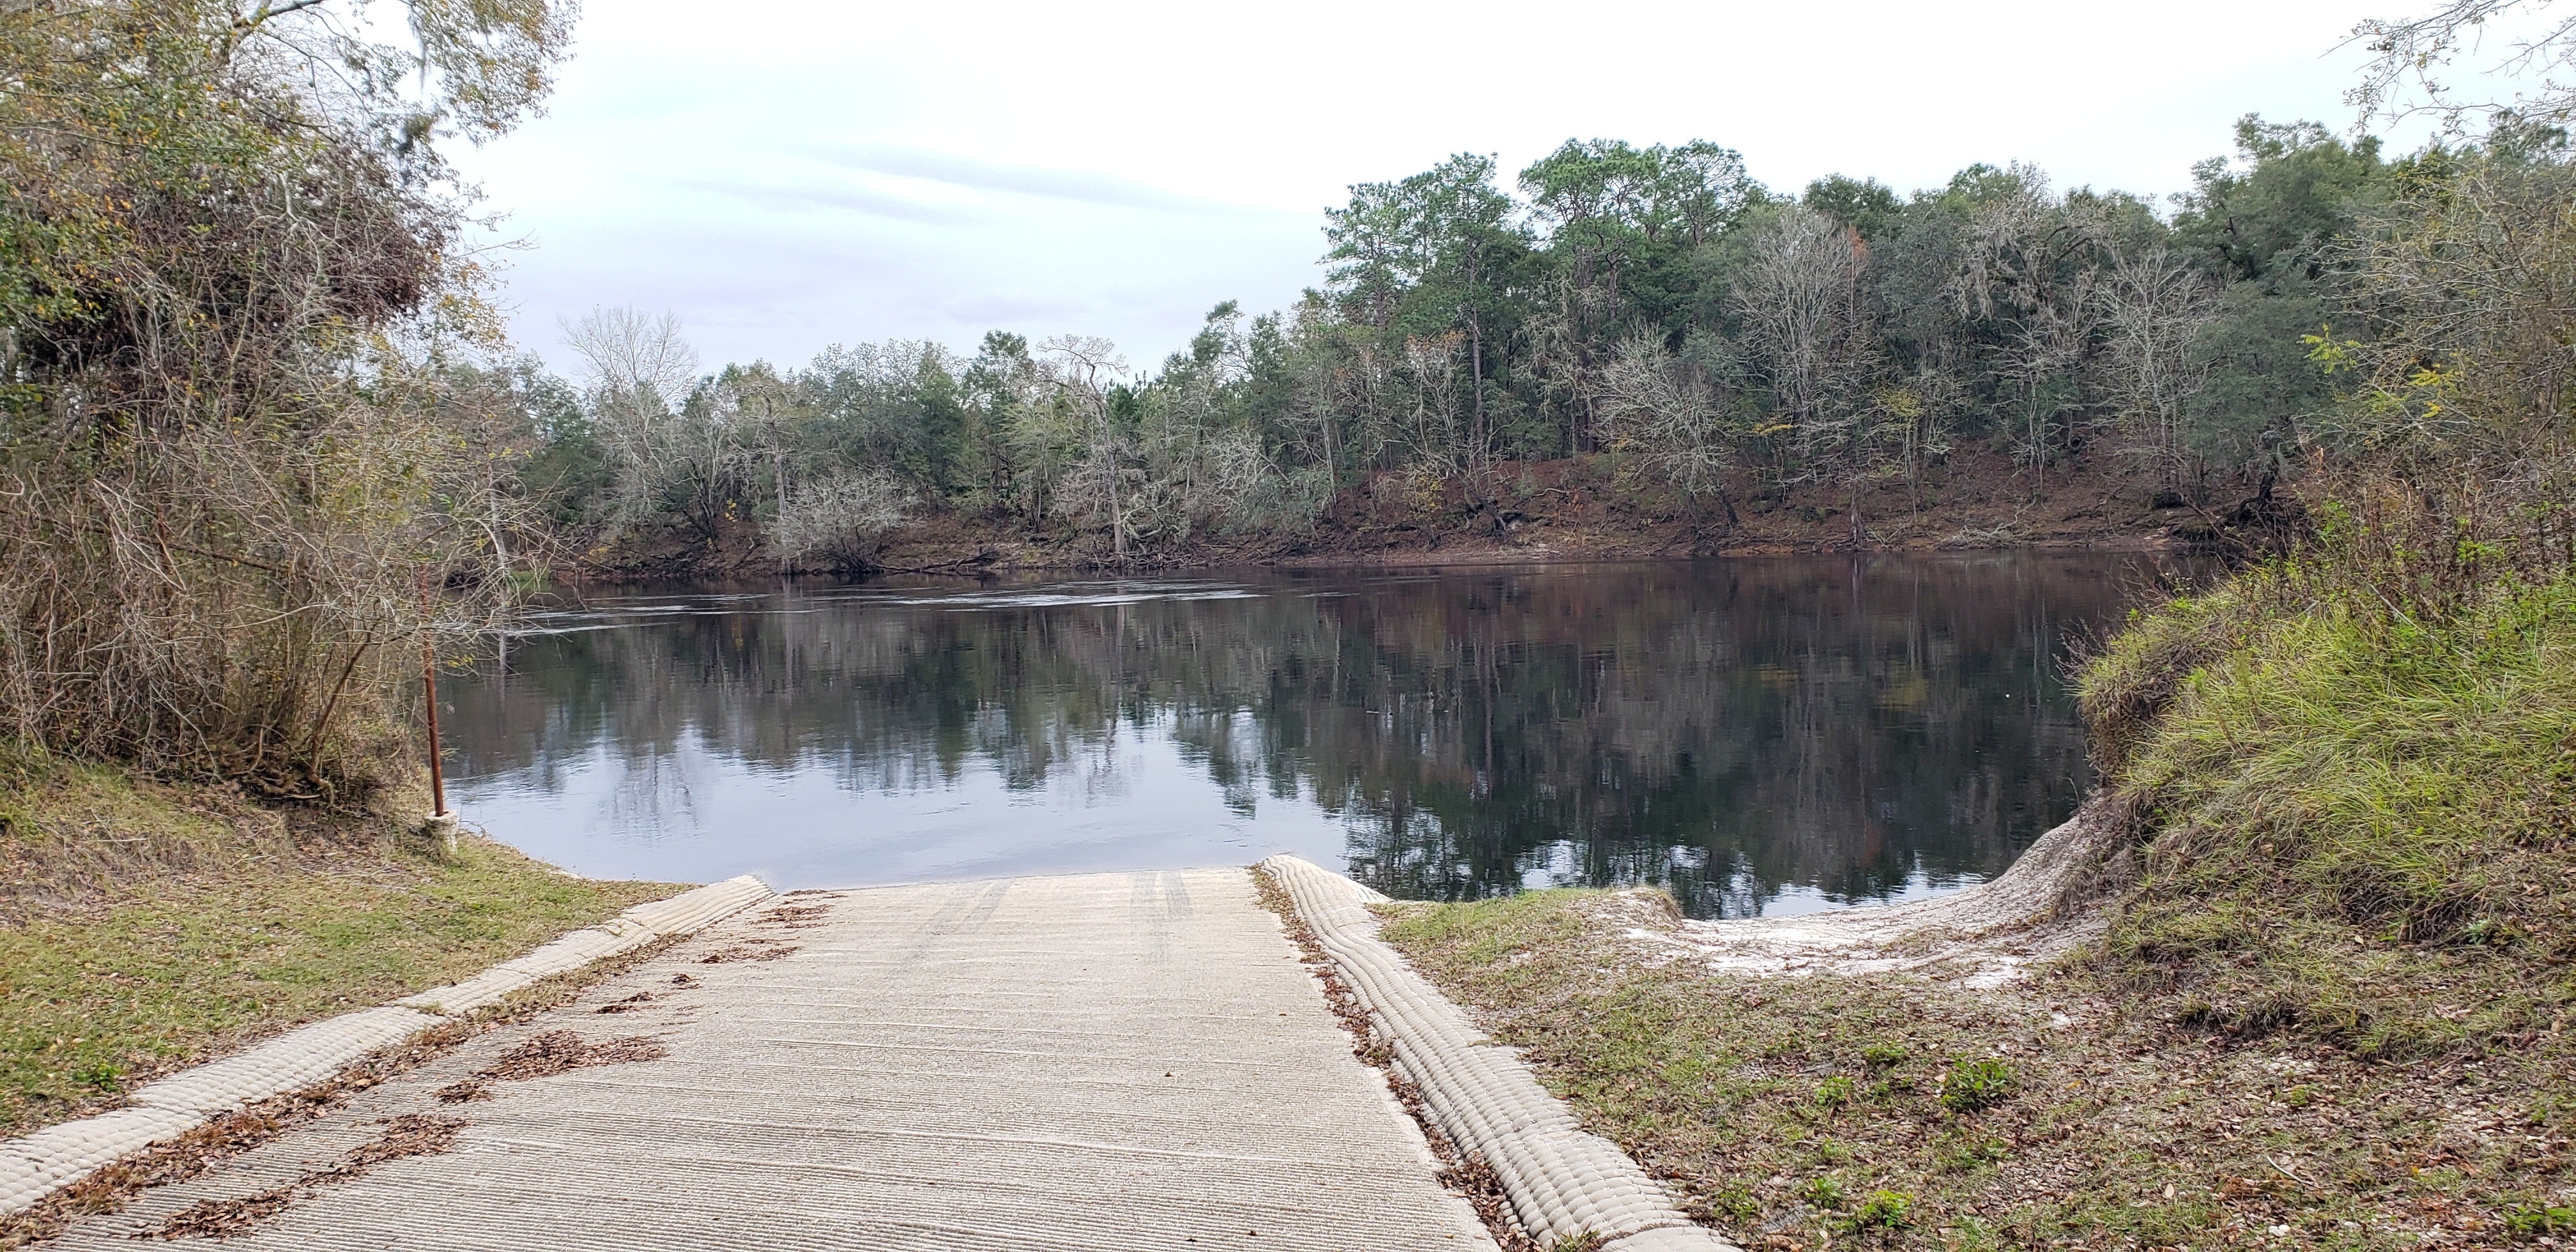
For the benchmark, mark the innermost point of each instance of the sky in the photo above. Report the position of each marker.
(792, 175)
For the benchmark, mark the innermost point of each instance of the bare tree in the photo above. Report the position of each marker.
(2155, 307)
(1084, 369)
(2410, 58)
(1799, 301)
(839, 518)
(637, 374)
(1672, 417)
(1432, 364)
(626, 349)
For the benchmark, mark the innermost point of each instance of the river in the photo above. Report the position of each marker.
(1759, 735)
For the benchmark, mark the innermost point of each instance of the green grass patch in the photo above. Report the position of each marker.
(100, 994)
(2357, 821)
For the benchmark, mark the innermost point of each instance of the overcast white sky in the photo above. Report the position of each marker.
(785, 176)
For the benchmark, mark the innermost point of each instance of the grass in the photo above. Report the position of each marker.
(219, 926)
(1909, 1111)
(2358, 822)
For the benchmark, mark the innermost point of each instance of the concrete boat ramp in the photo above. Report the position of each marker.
(1093, 1062)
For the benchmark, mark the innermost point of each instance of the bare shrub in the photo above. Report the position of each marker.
(836, 522)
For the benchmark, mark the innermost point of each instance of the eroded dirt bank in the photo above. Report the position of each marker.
(1579, 509)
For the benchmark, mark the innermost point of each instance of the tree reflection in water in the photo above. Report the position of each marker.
(1760, 733)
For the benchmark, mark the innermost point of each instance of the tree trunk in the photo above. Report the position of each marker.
(1117, 517)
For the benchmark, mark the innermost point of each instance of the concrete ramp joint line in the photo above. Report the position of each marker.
(58, 1156)
(1562, 1180)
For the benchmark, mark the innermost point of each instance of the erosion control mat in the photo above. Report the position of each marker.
(1564, 1184)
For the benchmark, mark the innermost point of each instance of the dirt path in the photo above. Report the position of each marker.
(1130, 1061)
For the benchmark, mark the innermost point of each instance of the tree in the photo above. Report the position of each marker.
(1423, 257)
(996, 387)
(1620, 221)
(639, 375)
(2156, 310)
(1084, 373)
(1863, 204)
(770, 416)
(240, 422)
(2030, 270)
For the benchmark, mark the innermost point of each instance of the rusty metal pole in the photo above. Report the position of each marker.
(437, 775)
(429, 689)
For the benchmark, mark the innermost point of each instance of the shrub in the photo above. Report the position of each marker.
(838, 521)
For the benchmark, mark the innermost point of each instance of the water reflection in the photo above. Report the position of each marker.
(1758, 734)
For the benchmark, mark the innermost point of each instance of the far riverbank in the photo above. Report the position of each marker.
(1572, 510)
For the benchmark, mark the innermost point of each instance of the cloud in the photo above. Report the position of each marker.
(1079, 186)
(842, 197)
(810, 172)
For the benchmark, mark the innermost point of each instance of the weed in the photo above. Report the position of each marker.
(1883, 1210)
(1970, 1235)
(1970, 1152)
(1732, 1201)
(1973, 1085)
(2489, 932)
(2353, 818)
(2100, 1135)
(1884, 1056)
(2530, 1221)
(1835, 1092)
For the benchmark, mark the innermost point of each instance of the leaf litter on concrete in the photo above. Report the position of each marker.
(261, 1122)
(755, 949)
(410, 1134)
(558, 1051)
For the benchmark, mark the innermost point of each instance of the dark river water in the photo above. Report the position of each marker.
(1759, 735)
